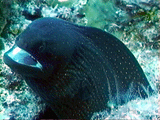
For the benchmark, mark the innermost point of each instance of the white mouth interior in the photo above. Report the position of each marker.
(22, 57)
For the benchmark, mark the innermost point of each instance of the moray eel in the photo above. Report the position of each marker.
(76, 70)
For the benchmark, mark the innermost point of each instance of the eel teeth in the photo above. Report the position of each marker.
(33, 57)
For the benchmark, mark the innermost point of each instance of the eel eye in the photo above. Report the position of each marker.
(42, 47)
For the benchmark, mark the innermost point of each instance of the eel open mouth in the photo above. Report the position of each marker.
(21, 61)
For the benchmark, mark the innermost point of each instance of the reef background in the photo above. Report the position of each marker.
(135, 22)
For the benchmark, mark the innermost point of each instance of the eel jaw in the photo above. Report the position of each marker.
(22, 62)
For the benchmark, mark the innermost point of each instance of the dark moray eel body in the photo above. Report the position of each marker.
(76, 70)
